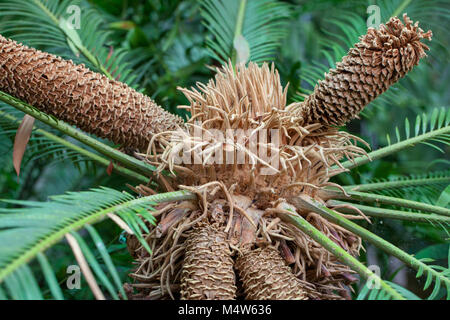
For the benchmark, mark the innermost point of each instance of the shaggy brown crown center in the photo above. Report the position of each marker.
(241, 133)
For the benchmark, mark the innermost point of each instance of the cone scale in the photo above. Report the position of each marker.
(377, 61)
(265, 276)
(207, 272)
(72, 93)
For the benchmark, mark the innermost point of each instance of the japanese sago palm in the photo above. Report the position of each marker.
(237, 240)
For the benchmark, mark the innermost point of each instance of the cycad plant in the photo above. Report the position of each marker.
(242, 200)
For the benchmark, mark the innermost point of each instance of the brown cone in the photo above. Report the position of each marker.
(208, 267)
(72, 93)
(379, 60)
(265, 276)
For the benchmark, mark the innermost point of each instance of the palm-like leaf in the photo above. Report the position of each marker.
(38, 225)
(426, 187)
(35, 226)
(437, 274)
(428, 129)
(245, 30)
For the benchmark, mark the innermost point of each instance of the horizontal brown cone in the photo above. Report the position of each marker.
(72, 93)
(207, 272)
(379, 60)
(265, 276)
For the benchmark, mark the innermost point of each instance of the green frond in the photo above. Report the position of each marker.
(244, 30)
(399, 182)
(44, 24)
(106, 258)
(390, 213)
(424, 187)
(37, 225)
(341, 254)
(429, 129)
(444, 197)
(91, 259)
(377, 198)
(367, 292)
(437, 119)
(22, 285)
(50, 277)
(30, 227)
(439, 275)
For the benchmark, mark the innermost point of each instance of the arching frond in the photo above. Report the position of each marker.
(343, 256)
(439, 275)
(430, 130)
(244, 30)
(38, 225)
(423, 187)
(31, 227)
(370, 291)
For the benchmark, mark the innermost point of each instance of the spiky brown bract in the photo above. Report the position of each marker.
(251, 100)
(207, 272)
(265, 276)
(379, 60)
(108, 108)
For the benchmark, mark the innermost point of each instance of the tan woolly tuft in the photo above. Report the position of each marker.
(207, 272)
(375, 63)
(245, 95)
(251, 100)
(108, 108)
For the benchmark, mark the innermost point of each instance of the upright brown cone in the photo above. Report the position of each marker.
(108, 108)
(379, 60)
(265, 276)
(208, 267)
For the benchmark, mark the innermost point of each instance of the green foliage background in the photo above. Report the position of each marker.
(164, 44)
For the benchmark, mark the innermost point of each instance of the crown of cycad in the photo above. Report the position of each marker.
(375, 63)
(72, 93)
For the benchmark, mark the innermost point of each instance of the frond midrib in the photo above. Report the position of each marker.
(52, 238)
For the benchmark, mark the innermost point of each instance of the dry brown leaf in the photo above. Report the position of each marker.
(21, 140)
(120, 223)
(84, 266)
(110, 168)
